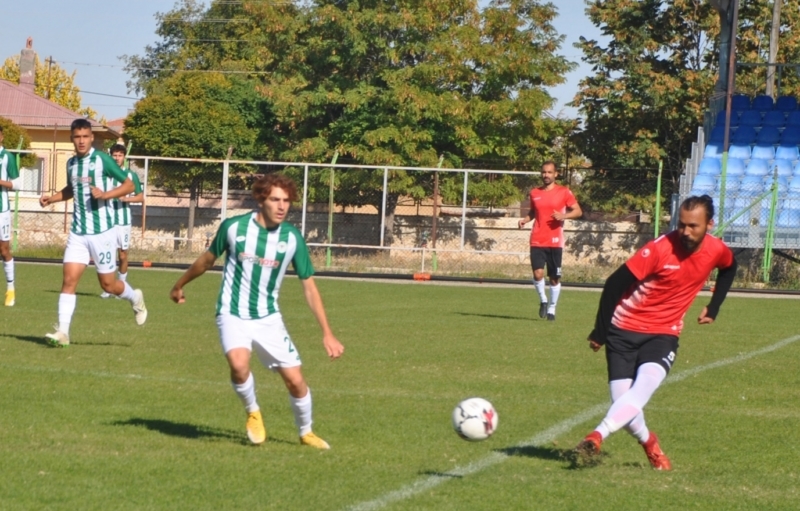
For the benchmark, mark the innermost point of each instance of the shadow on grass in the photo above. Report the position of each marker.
(191, 431)
(58, 292)
(39, 339)
(439, 474)
(494, 316)
(36, 339)
(535, 451)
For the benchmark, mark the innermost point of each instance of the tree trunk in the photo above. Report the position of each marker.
(773, 46)
(388, 215)
(194, 195)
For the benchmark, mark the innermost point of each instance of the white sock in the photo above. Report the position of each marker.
(554, 292)
(637, 426)
(630, 404)
(247, 393)
(8, 266)
(123, 277)
(66, 308)
(539, 285)
(301, 408)
(127, 293)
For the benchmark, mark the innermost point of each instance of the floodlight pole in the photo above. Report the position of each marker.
(728, 101)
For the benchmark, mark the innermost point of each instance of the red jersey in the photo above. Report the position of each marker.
(547, 231)
(669, 280)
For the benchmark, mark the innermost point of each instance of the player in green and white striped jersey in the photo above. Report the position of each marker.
(122, 213)
(259, 247)
(9, 180)
(93, 180)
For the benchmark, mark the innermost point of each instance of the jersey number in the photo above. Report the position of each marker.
(5, 230)
(105, 257)
(291, 346)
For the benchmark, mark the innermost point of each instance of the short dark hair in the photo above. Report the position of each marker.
(550, 162)
(703, 201)
(264, 185)
(80, 124)
(118, 148)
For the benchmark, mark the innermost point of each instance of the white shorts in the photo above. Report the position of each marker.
(5, 226)
(100, 248)
(266, 336)
(123, 237)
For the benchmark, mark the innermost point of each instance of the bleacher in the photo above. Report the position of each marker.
(764, 140)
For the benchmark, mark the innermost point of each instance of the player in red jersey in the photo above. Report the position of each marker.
(641, 316)
(551, 204)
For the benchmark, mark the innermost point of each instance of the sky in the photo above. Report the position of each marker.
(111, 28)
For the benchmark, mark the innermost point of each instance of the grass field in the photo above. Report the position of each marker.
(133, 418)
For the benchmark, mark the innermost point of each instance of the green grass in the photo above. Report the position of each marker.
(135, 418)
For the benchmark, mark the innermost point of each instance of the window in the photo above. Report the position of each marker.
(32, 178)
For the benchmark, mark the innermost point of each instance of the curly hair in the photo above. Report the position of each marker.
(263, 186)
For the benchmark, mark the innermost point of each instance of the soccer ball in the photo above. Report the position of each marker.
(474, 419)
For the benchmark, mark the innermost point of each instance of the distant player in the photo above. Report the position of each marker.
(122, 213)
(641, 316)
(259, 247)
(9, 175)
(93, 179)
(551, 204)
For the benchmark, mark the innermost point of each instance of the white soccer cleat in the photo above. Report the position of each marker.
(105, 295)
(139, 310)
(57, 339)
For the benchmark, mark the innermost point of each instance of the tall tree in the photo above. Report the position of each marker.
(51, 81)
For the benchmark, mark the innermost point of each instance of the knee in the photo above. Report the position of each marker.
(5, 252)
(108, 287)
(240, 373)
(297, 387)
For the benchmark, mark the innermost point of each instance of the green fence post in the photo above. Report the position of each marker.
(768, 242)
(658, 200)
(14, 235)
(330, 212)
(434, 260)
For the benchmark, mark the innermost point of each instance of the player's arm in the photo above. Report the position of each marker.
(125, 188)
(63, 195)
(573, 211)
(527, 218)
(724, 282)
(139, 197)
(13, 182)
(615, 287)
(139, 193)
(201, 265)
(314, 300)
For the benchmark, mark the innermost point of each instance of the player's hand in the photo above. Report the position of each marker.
(176, 295)
(703, 319)
(97, 193)
(44, 200)
(595, 345)
(521, 223)
(333, 346)
(560, 217)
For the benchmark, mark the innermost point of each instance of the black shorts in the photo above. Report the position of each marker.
(626, 351)
(549, 257)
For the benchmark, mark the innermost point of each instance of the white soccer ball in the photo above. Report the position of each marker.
(474, 419)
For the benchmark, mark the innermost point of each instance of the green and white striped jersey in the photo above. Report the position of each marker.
(122, 210)
(256, 261)
(8, 171)
(93, 216)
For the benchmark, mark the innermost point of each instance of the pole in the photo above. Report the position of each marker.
(16, 203)
(657, 219)
(464, 210)
(773, 46)
(383, 203)
(770, 229)
(144, 196)
(330, 212)
(728, 99)
(305, 200)
(226, 169)
(49, 65)
(434, 261)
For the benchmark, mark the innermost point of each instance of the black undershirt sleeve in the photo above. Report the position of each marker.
(613, 290)
(723, 285)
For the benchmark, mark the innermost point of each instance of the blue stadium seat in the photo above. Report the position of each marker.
(750, 118)
(735, 167)
(783, 185)
(741, 151)
(738, 206)
(794, 188)
(703, 184)
(788, 218)
(713, 150)
(787, 152)
(791, 135)
(768, 135)
(763, 152)
(774, 118)
(762, 103)
(784, 167)
(709, 166)
(744, 135)
(796, 171)
(757, 167)
(740, 102)
(793, 119)
(751, 186)
(718, 134)
(786, 103)
(721, 119)
(731, 184)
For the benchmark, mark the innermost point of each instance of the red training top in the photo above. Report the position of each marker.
(547, 231)
(670, 279)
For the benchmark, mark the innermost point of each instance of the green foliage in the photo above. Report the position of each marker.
(12, 134)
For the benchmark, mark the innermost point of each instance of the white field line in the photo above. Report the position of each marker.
(546, 436)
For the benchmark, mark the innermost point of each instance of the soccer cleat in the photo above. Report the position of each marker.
(543, 309)
(57, 339)
(11, 298)
(551, 317)
(139, 310)
(658, 460)
(105, 295)
(314, 441)
(255, 428)
(587, 452)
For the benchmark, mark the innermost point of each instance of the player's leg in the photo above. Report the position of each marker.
(554, 256)
(100, 247)
(8, 260)
(636, 427)
(538, 263)
(124, 235)
(235, 339)
(76, 258)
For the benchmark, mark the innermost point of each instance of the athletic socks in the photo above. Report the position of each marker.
(66, 308)
(636, 427)
(648, 378)
(247, 393)
(301, 408)
(123, 277)
(8, 266)
(539, 285)
(554, 292)
(127, 293)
